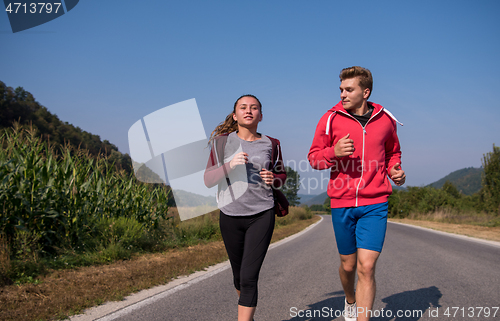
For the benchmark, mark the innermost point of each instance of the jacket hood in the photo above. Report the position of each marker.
(376, 109)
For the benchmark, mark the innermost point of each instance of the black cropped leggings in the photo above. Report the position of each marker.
(247, 239)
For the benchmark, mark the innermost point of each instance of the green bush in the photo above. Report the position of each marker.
(192, 231)
(317, 208)
(491, 180)
(112, 252)
(122, 230)
(427, 200)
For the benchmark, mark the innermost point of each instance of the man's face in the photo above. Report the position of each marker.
(352, 95)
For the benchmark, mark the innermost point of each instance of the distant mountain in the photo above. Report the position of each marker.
(190, 199)
(318, 199)
(305, 197)
(398, 188)
(466, 180)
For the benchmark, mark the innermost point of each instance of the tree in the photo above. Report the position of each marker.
(21, 94)
(451, 189)
(491, 180)
(291, 186)
(327, 205)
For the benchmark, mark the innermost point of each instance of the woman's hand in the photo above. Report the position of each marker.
(239, 159)
(267, 176)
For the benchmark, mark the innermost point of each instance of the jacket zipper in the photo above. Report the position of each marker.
(363, 151)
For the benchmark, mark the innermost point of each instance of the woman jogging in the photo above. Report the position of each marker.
(245, 165)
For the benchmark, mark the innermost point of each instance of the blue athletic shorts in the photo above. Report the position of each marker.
(360, 227)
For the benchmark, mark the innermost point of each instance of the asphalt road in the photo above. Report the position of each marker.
(421, 275)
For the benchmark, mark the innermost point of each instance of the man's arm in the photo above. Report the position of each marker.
(322, 154)
(393, 159)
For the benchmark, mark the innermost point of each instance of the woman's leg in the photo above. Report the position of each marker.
(246, 240)
(245, 313)
(233, 233)
(257, 239)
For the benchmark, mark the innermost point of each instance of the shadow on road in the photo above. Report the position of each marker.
(328, 309)
(407, 306)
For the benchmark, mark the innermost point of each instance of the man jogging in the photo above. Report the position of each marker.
(358, 142)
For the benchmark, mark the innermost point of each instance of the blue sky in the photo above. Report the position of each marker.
(106, 64)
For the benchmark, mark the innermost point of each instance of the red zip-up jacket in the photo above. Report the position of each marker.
(361, 178)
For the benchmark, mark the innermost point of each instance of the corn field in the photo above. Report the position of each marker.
(59, 198)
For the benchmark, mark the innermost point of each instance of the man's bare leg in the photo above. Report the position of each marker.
(366, 287)
(347, 272)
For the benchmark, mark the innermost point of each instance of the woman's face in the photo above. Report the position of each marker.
(247, 112)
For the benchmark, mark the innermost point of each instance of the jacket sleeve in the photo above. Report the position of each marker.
(214, 173)
(279, 170)
(392, 150)
(322, 154)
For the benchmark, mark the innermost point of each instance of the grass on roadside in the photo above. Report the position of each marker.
(189, 246)
(451, 216)
(477, 231)
(464, 222)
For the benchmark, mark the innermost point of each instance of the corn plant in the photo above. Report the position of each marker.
(61, 196)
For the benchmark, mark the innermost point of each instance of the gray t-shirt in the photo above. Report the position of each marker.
(246, 194)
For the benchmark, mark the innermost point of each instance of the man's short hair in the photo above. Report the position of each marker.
(364, 75)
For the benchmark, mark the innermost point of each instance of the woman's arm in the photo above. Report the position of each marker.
(214, 173)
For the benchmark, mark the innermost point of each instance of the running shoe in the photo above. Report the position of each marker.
(350, 312)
